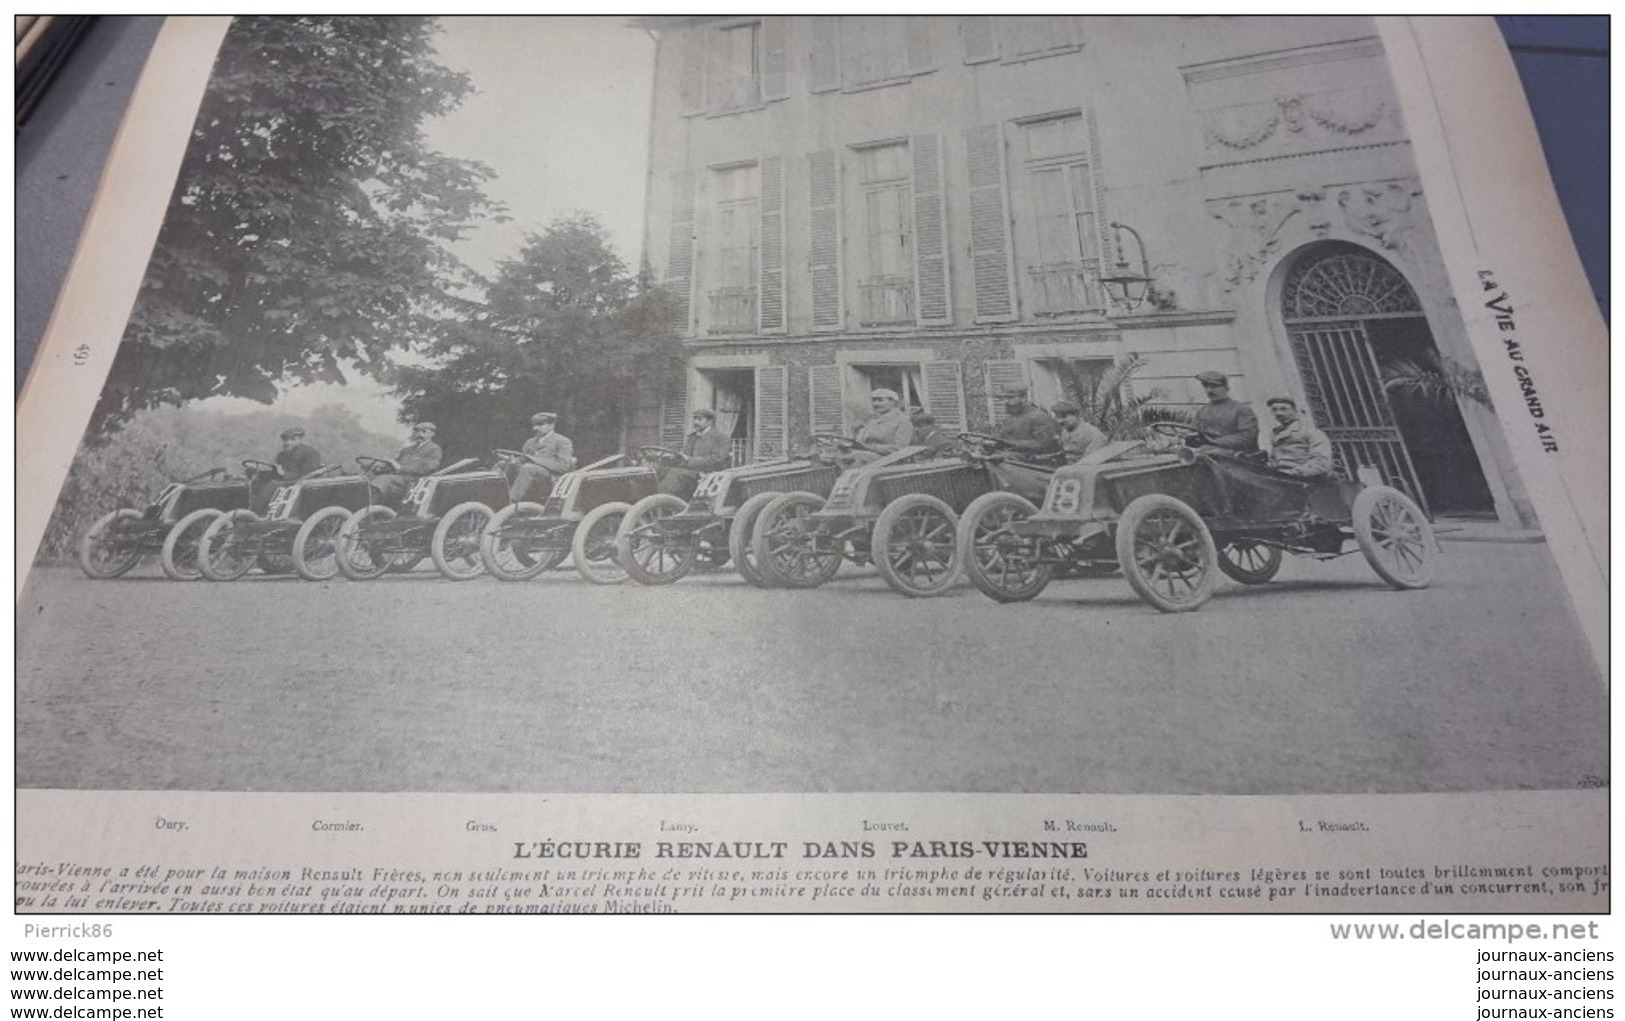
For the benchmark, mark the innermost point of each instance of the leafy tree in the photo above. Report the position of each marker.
(309, 225)
(565, 328)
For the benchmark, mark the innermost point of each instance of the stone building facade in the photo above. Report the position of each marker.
(941, 205)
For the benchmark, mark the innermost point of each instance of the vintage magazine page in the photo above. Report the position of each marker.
(1308, 615)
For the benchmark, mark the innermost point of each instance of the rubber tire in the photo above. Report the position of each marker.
(883, 541)
(642, 512)
(104, 524)
(970, 521)
(603, 570)
(177, 547)
(1421, 543)
(740, 532)
(316, 570)
(347, 545)
(491, 554)
(459, 568)
(1135, 515)
(209, 548)
(761, 541)
(1250, 576)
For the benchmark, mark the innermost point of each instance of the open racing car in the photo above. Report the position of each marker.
(1176, 520)
(899, 511)
(284, 538)
(169, 526)
(443, 515)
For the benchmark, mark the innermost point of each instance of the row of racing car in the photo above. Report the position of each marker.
(1171, 518)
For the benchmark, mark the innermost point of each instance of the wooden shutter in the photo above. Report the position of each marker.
(917, 44)
(691, 74)
(824, 398)
(680, 255)
(990, 226)
(1002, 374)
(674, 411)
(772, 412)
(930, 232)
(824, 55)
(824, 239)
(770, 302)
(945, 394)
(775, 49)
(980, 42)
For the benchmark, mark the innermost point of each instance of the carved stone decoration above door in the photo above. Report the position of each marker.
(1257, 226)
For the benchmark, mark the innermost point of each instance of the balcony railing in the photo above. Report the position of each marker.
(884, 301)
(1062, 287)
(733, 310)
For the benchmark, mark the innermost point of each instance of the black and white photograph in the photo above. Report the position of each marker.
(806, 405)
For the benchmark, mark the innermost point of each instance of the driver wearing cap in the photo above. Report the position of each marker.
(705, 449)
(419, 457)
(294, 461)
(551, 455)
(1026, 427)
(1224, 422)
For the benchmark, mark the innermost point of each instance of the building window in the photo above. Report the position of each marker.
(876, 50)
(1062, 274)
(737, 215)
(734, 75)
(885, 256)
(1025, 37)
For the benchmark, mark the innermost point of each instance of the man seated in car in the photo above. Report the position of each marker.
(887, 431)
(705, 450)
(928, 434)
(1296, 447)
(551, 455)
(1026, 428)
(294, 461)
(419, 457)
(1224, 422)
(1079, 439)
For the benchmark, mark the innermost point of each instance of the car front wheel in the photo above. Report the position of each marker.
(110, 547)
(1167, 553)
(592, 548)
(914, 545)
(228, 549)
(455, 546)
(1002, 565)
(1395, 537)
(179, 555)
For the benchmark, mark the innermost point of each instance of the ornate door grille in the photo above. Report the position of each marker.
(1328, 301)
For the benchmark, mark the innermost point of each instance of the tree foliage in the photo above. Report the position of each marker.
(565, 328)
(309, 225)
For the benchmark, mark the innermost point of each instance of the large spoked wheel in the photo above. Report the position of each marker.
(179, 555)
(227, 548)
(361, 556)
(788, 550)
(1251, 563)
(511, 550)
(109, 549)
(1001, 564)
(647, 550)
(740, 533)
(592, 548)
(914, 547)
(455, 546)
(1167, 553)
(316, 546)
(1395, 537)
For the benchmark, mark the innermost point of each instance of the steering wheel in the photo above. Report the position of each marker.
(982, 444)
(1175, 430)
(261, 466)
(504, 454)
(661, 456)
(835, 440)
(374, 465)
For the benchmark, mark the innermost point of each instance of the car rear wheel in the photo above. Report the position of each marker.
(179, 555)
(1167, 553)
(914, 547)
(649, 551)
(1002, 565)
(1395, 537)
(787, 548)
(510, 549)
(315, 547)
(109, 549)
(226, 550)
(740, 533)
(361, 556)
(1251, 563)
(456, 543)
(592, 548)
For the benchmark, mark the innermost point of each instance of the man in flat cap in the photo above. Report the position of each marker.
(294, 461)
(930, 435)
(1296, 447)
(705, 450)
(419, 457)
(1224, 422)
(1078, 438)
(1026, 427)
(887, 431)
(550, 455)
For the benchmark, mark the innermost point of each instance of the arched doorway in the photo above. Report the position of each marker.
(1375, 381)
